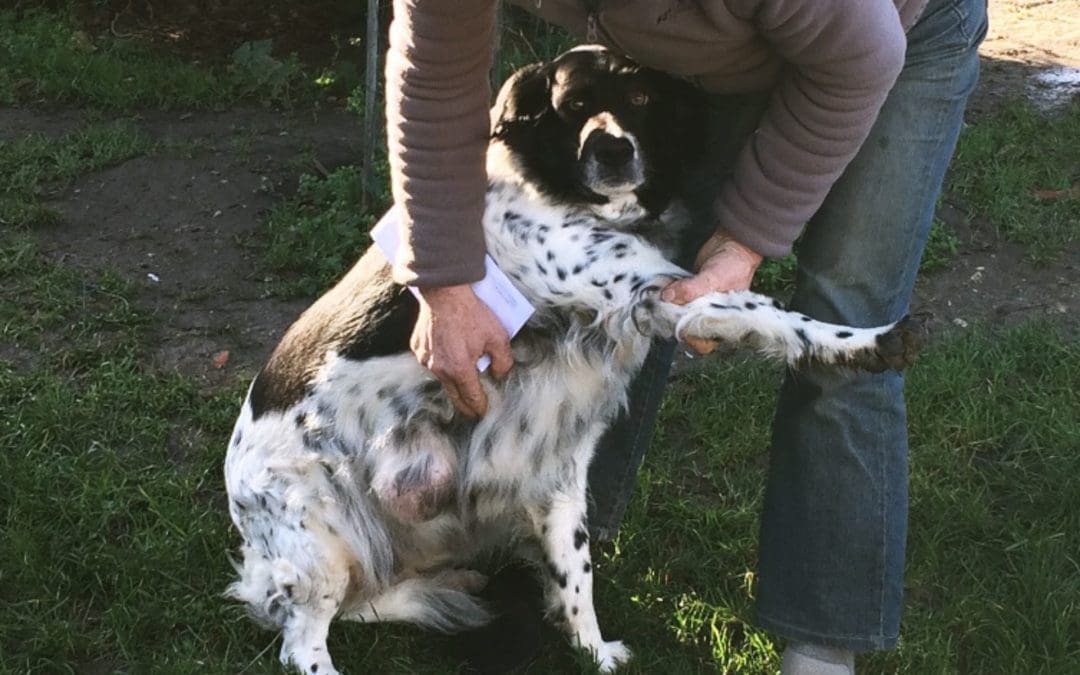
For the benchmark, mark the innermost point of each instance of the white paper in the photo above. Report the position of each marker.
(496, 290)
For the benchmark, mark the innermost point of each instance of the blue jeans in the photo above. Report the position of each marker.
(833, 529)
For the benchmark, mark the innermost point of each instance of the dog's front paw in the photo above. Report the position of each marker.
(610, 655)
(651, 315)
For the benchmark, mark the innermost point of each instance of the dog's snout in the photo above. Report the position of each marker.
(609, 150)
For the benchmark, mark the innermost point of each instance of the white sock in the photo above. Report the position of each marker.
(801, 658)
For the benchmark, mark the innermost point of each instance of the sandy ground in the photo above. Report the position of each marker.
(1032, 48)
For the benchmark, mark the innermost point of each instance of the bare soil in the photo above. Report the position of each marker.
(182, 225)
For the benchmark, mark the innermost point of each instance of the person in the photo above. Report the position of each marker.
(854, 108)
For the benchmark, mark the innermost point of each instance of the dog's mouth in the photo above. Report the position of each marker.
(609, 158)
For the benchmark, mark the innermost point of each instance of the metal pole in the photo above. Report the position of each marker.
(371, 85)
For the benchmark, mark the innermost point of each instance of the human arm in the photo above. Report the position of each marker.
(437, 96)
(842, 59)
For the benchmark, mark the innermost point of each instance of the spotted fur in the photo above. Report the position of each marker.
(358, 490)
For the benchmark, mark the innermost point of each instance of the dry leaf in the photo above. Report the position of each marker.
(220, 359)
(1072, 192)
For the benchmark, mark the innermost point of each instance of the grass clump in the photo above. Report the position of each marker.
(941, 248)
(313, 237)
(1018, 168)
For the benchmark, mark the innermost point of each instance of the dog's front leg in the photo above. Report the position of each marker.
(747, 319)
(562, 529)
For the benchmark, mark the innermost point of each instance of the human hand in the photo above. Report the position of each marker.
(722, 264)
(454, 329)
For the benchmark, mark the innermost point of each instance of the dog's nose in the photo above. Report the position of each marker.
(609, 150)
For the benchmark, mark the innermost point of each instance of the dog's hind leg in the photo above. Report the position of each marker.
(561, 526)
(304, 638)
(300, 603)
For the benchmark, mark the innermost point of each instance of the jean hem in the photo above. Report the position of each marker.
(855, 643)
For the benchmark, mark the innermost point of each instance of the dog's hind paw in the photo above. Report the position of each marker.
(898, 348)
(610, 655)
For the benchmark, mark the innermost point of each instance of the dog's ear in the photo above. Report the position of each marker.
(524, 97)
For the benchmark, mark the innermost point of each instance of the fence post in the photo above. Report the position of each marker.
(371, 86)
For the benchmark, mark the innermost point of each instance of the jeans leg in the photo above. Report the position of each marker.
(621, 449)
(834, 524)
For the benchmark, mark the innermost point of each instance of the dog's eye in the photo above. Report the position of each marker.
(639, 98)
(576, 104)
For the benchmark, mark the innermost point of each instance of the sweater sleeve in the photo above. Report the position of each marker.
(437, 97)
(843, 57)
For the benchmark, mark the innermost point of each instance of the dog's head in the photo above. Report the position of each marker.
(593, 127)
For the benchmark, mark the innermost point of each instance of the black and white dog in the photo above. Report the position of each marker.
(360, 493)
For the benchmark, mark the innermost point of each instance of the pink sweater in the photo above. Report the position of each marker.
(829, 63)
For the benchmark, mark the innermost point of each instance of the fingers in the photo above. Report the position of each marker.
(465, 391)
(700, 346)
(453, 330)
(498, 348)
(462, 387)
(684, 290)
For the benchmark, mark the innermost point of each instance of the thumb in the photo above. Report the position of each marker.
(684, 290)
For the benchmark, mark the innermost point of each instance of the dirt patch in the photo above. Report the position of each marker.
(183, 228)
(993, 281)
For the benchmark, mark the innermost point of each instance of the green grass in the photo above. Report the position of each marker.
(34, 163)
(115, 533)
(311, 238)
(941, 248)
(525, 39)
(1004, 158)
(46, 56)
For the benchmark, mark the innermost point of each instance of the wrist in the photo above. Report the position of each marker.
(438, 294)
(722, 243)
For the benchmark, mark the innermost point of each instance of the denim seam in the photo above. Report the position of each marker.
(826, 638)
(961, 23)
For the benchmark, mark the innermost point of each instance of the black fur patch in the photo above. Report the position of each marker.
(364, 316)
(580, 537)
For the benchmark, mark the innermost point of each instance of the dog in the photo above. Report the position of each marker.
(360, 492)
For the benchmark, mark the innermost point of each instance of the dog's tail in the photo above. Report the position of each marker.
(428, 602)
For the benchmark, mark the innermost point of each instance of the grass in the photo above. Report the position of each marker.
(525, 39)
(1005, 159)
(941, 248)
(313, 236)
(115, 532)
(45, 55)
(32, 164)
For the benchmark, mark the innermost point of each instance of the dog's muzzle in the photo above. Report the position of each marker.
(609, 156)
